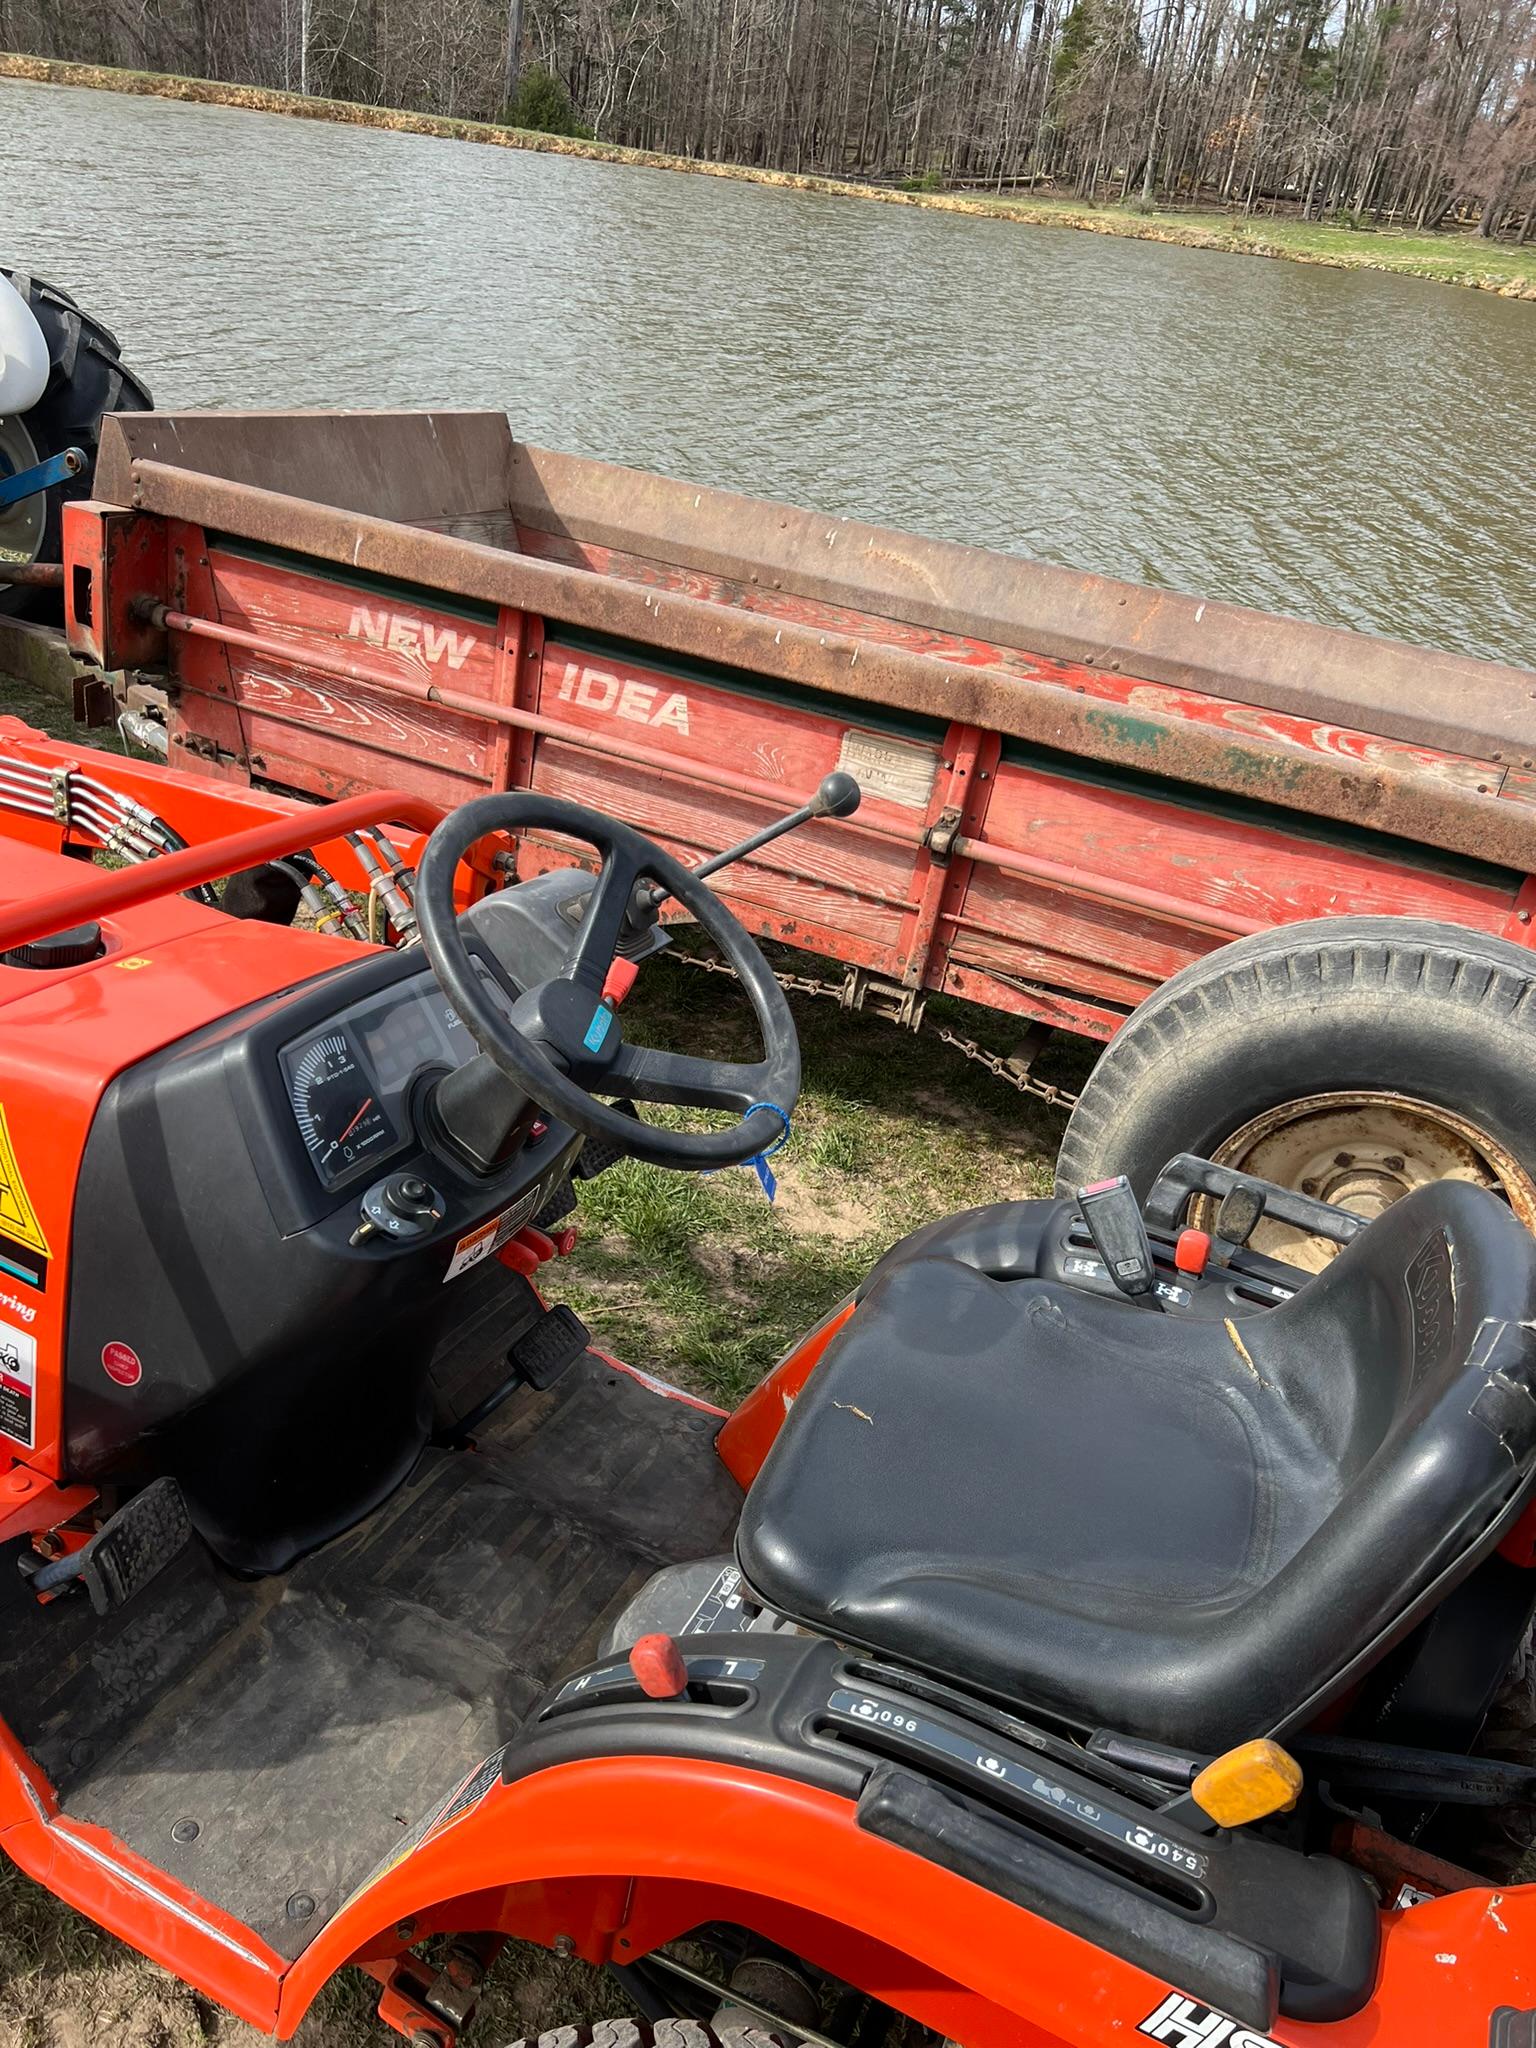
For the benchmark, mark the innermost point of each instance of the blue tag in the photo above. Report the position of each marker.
(597, 1030)
(759, 1160)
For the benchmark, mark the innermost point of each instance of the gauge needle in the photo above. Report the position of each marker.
(351, 1127)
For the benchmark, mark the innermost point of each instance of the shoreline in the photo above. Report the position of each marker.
(1438, 258)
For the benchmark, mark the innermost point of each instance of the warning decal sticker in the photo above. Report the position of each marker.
(18, 1218)
(18, 1380)
(490, 1237)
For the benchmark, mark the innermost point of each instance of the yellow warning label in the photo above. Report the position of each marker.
(18, 1218)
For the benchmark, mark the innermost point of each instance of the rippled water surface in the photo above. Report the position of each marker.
(1349, 447)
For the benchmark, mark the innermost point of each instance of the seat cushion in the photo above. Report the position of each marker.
(1169, 1526)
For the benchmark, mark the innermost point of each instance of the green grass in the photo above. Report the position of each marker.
(1448, 258)
(701, 1279)
(696, 1279)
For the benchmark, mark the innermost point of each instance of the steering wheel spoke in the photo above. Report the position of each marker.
(597, 937)
(648, 1075)
(563, 1046)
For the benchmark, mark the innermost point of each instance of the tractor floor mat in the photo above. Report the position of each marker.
(268, 1742)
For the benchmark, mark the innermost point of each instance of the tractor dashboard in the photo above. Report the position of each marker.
(263, 1220)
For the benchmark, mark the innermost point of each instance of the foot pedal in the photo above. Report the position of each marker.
(133, 1547)
(549, 1347)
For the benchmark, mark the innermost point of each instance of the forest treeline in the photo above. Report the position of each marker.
(1421, 112)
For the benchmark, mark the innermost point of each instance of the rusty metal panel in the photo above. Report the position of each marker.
(1382, 686)
(409, 466)
(114, 557)
(1353, 778)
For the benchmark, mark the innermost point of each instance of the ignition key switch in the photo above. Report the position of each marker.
(402, 1205)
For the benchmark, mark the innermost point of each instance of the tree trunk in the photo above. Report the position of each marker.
(514, 53)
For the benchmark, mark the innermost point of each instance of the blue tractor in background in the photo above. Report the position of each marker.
(60, 373)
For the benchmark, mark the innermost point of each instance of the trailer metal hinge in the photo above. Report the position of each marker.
(941, 836)
(862, 990)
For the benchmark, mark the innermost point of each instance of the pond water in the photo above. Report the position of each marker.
(1345, 446)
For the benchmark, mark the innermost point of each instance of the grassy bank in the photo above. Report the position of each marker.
(697, 1279)
(1446, 258)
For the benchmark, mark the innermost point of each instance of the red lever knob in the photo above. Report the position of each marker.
(619, 980)
(1192, 1252)
(659, 1669)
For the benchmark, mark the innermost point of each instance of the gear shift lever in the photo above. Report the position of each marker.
(1114, 1221)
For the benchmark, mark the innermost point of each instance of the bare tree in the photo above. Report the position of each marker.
(1421, 112)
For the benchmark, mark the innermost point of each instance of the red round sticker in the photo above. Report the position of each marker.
(121, 1363)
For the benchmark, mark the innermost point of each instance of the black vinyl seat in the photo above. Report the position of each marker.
(1177, 1528)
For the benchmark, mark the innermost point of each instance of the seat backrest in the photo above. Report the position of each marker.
(1412, 1360)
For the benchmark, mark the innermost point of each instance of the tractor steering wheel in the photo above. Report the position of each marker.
(563, 1045)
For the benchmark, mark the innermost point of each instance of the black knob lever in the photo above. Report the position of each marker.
(838, 795)
(1113, 1217)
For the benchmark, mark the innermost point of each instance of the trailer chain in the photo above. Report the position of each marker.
(999, 1064)
(996, 1063)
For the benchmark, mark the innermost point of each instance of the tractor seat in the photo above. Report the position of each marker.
(1175, 1528)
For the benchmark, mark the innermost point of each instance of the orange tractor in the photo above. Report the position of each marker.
(1094, 1630)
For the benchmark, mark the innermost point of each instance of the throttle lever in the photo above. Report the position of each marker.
(1113, 1218)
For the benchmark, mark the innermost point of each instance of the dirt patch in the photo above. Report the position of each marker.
(808, 1207)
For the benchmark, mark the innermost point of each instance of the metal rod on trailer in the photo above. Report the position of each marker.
(1119, 896)
(33, 575)
(161, 616)
(1126, 895)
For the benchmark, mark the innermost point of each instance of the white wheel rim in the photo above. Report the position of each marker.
(1363, 1150)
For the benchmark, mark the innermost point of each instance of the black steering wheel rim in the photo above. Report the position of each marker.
(556, 1085)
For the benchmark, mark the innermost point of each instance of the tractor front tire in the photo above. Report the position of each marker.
(1352, 1058)
(628, 2033)
(87, 380)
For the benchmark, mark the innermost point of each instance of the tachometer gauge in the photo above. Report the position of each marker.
(336, 1107)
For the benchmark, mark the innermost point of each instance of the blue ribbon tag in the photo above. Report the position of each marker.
(759, 1160)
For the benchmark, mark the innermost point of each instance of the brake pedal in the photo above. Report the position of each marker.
(549, 1347)
(130, 1549)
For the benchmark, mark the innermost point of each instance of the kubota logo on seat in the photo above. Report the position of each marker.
(399, 633)
(1184, 2024)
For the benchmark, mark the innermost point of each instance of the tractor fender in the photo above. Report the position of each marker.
(612, 1857)
(24, 364)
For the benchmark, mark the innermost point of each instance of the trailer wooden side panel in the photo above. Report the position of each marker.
(1071, 789)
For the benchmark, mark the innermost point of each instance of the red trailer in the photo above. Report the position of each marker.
(1077, 794)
